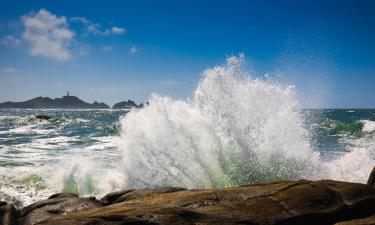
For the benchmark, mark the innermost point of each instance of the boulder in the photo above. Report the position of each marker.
(7, 214)
(57, 204)
(284, 202)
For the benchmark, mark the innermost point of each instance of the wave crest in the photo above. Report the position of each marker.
(235, 130)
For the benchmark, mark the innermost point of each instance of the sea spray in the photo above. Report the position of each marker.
(235, 130)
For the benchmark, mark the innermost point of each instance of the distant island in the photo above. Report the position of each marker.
(127, 105)
(66, 102)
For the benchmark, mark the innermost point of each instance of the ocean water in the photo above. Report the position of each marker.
(233, 130)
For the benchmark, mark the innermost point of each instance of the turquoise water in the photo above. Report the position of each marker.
(334, 131)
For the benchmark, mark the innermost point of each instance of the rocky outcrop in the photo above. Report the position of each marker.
(121, 196)
(58, 204)
(66, 102)
(371, 178)
(284, 202)
(7, 214)
(43, 117)
(126, 105)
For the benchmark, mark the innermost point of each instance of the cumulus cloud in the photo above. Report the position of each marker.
(11, 41)
(48, 35)
(133, 49)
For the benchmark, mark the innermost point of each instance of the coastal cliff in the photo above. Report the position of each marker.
(283, 202)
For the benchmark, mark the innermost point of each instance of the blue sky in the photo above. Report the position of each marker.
(116, 50)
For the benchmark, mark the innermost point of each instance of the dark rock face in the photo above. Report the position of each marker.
(371, 178)
(71, 102)
(7, 214)
(362, 221)
(43, 117)
(58, 204)
(126, 105)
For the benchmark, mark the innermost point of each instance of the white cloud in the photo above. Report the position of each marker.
(117, 30)
(48, 35)
(11, 41)
(133, 50)
(96, 28)
(82, 20)
(107, 48)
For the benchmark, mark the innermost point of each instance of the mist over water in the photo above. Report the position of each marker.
(235, 130)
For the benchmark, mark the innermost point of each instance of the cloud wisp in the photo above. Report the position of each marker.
(106, 48)
(96, 28)
(133, 50)
(11, 41)
(48, 35)
(117, 30)
(8, 70)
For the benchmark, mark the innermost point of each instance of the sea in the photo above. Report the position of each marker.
(233, 130)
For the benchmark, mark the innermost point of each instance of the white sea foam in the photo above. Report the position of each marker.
(53, 142)
(368, 126)
(2, 118)
(235, 130)
(75, 171)
(103, 143)
(21, 130)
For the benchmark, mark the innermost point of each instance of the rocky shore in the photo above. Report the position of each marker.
(284, 202)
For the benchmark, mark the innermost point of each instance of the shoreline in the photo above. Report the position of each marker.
(281, 202)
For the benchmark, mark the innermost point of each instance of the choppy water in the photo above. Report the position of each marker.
(76, 151)
(234, 130)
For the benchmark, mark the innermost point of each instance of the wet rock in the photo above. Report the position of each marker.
(122, 196)
(43, 117)
(113, 196)
(58, 204)
(371, 178)
(63, 195)
(362, 221)
(285, 202)
(7, 214)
